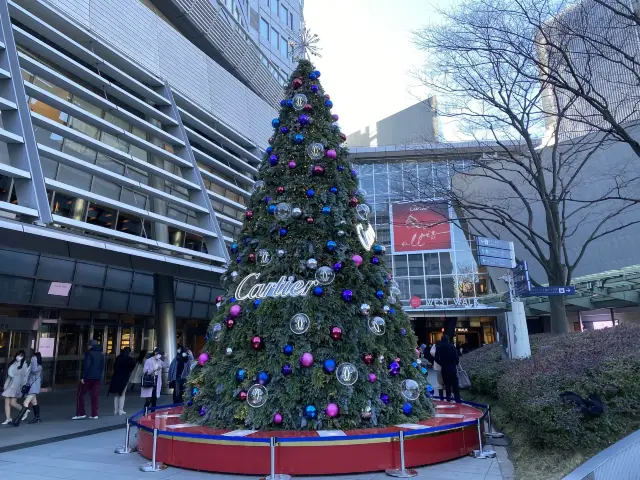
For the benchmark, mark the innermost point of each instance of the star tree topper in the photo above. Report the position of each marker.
(305, 44)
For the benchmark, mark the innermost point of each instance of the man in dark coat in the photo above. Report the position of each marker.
(448, 359)
(122, 368)
(90, 381)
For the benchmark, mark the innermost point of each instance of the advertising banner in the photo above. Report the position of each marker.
(420, 227)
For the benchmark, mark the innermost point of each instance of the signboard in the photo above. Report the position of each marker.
(552, 291)
(493, 243)
(521, 279)
(495, 253)
(420, 227)
(465, 302)
(415, 302)
(59, 289)
(495, 262)
(46, 347)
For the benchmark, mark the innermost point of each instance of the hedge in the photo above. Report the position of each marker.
(603, 362)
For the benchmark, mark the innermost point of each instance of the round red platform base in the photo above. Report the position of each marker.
(451, 434)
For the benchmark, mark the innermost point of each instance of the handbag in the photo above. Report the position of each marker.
(148, 380)
(25, 389)
(463, 378)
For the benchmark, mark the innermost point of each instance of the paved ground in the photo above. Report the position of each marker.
(92, 457)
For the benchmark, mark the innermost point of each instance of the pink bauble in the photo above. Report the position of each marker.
(372, 377)
(277, 419)
(203, 358)
(331, 153)
(306, 360)
(332, 410)
(417, 353)
(235, 311)
(357, 259)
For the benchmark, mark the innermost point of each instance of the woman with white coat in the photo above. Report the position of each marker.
(34, 382)
(153, 367)
(17, 374)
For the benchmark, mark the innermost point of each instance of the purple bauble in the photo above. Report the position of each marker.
(357, 259)
(331, 153)
(203, 358)
(375, 260)
(203, 411)
(306, 360)
(286, 369)
(332, 410)
(403, 332)
(384, 398)
(267, 200)
(235, 310)
(284, 130)
(354, 173)
(292, 164)
(273, 160)
(347, 295)
(372, 377)
(394, 372)
(394, 366)
(303, 119)
(277, 419)
(314, 88)
(335, 117)
(337, 267)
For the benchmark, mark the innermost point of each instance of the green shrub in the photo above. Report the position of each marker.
(603, 362)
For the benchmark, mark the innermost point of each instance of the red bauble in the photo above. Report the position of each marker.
(326, 95)
(308, 107)
(318, 170)
(230, 322)
(242, 396)
(343, 137)
(249, 214)
(367, 358)
(280, 190)
(256, 343)
(252, 257)
(310, 220)
(353, 202)
(336, 333)
(297, 83)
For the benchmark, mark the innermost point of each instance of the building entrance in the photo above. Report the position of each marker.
(15, 334)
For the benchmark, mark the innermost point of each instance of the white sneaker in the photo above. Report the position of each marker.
(94, 418)
(24, 417)
(7, 421)
(122, 413)
(78, 417)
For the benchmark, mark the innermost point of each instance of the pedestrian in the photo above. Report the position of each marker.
(17, 375)
(179, 371)
(122, 368)
(152, 379)
(136, 375)
(34, 381)
(90, 381)
(438, 370)
(447, 357)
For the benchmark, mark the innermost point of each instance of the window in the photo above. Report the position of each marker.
(291, 21)
(284, 46)
(264, 29)
(275, 38)
(274, 6)
(284, 14)
(101, 216)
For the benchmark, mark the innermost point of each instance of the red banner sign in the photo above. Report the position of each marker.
(420, 226)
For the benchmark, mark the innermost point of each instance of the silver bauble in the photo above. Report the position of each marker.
(234, 276)
(342, 222)
(381, 359)
(340, 233)
(296, 213)
(312, 263)
(280, 253)
(365, 309)
(366, 412)
(228, 351)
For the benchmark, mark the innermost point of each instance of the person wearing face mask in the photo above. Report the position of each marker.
(122, 368)
(152, 370)
(179, 371)
(17, 375)
(34, 381)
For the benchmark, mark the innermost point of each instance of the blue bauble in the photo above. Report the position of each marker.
(380, 294)
(392, 311)
(275, 123)
(289, 103)
(299, 138)
(238, 259)
(429, 389)
(284, 130)
(269, 149)
(329, 365)
(318, 291)
(310, 412)
(375, 260)
(263, 378)
(232, 299)
(241, 374)
(347, 295)
(314, 88)
(341, 168)
(311, 193)
(234, 248)
(337, 267)
(326, 210)
(354, 173)
(407, 409)
(331, 245)
(189, 403)
(317, 73)
(287, 350)
(394, 366)
(256, 303)
(203, 411)
(379, 249)
(271, 209)
(333, 190)
(414, 364)
(283, 232)
(328, 103)
(424, 371)
(194, 392)
(267, 200)
(384, 398)
(286, 370)
(282, 103)
(313, 76)
(273, 160)
(403, 332)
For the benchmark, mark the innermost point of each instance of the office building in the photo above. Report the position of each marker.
(128, 146)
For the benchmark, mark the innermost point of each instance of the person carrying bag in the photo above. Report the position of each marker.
(463, 379)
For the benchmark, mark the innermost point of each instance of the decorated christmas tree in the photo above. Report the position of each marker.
(310, 334)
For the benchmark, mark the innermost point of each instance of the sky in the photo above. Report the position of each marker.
(367, 55)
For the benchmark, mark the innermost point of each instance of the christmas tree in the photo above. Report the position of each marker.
(310, 334)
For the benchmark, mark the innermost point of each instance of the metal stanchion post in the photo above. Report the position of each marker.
(126, 448)
(153, 466)
(272, 455)
(482, 453)
(490, 432)
(401, 472)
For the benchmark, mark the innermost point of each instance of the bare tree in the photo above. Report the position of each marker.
(516, 77)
